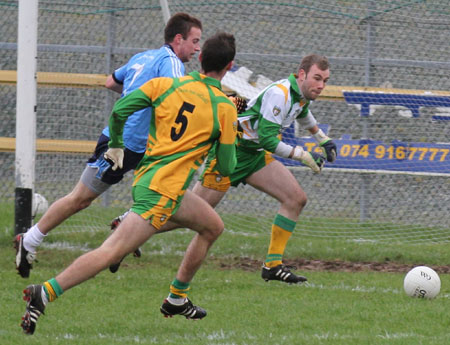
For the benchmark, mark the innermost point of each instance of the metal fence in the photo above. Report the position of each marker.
(391, 43)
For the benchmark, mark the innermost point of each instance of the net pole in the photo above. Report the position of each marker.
(165, 10)
(25, 113)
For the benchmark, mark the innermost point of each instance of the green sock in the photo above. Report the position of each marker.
(52, 289)
(178, 289)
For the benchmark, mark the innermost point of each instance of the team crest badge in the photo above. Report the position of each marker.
(218, 178)
(163, 218)
(276, 111)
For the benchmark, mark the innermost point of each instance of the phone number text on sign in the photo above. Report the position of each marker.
(392, 152)
(396, 156)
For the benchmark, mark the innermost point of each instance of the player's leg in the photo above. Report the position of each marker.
(27, 243)
(196, 214)
(87, 189)
(78, 199)
(211, 196)
(132, 232)
(211, 188)
(277, 181)
(96, 178)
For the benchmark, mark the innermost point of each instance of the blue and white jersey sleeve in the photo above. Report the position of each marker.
(141, 68)
(120, 74)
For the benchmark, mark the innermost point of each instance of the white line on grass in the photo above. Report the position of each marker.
(364, 289)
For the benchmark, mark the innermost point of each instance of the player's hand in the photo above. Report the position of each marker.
(314, 161)
(116, 156)
(239, 102)
(329, 150)
(328, 146)
(311, 159)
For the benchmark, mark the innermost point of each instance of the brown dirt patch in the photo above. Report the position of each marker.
(249, 264)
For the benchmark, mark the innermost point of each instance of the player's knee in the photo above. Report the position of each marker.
(215, 230)
(79, 202)
(297, 201)
(111, 254)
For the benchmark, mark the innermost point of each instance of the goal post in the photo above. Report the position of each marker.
(25, 113)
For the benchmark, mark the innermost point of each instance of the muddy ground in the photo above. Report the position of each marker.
(249, 264)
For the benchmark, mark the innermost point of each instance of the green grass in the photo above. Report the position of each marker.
(334, 308)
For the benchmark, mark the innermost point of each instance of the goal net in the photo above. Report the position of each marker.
(387, 106)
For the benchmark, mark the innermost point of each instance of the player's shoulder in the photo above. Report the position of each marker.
(225, 104)
(278, 92)
(166, 52)
(157, 85)
(152, 54)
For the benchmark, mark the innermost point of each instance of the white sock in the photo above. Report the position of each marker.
(176, 301)
(33, 238)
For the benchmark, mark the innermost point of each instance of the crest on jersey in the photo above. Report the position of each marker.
(276, 111)
(163, 218)
(218, 178)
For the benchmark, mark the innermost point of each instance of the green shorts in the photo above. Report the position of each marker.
(248, 162)
(154, 206)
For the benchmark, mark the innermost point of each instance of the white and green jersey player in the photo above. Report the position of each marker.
(272, 110)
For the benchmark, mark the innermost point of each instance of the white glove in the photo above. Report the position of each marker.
(116, 156)
(312, 160)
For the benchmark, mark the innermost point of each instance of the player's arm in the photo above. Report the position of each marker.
(307, 121)
(328, 146)
(115, 80)
(272, 110)
(226, 146)
(123, 108)
(310, 159)
(112, 84)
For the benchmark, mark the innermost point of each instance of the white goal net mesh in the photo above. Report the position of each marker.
(392, 178)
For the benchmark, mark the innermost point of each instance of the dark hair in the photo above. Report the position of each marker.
(180, 23)
(217, 52)
(314, 59)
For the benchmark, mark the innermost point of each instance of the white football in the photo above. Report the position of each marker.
(422, 282)
(40, 205)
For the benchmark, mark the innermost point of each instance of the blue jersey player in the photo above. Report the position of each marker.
(182, 36)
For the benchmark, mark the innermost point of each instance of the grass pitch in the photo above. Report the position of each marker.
(123, 308)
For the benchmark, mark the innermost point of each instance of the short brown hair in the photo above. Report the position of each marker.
(217, 52)
(180, 23)
(314, 59)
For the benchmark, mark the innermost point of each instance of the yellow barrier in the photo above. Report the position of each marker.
(331, 93)
(52, 145)
(59, 79)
